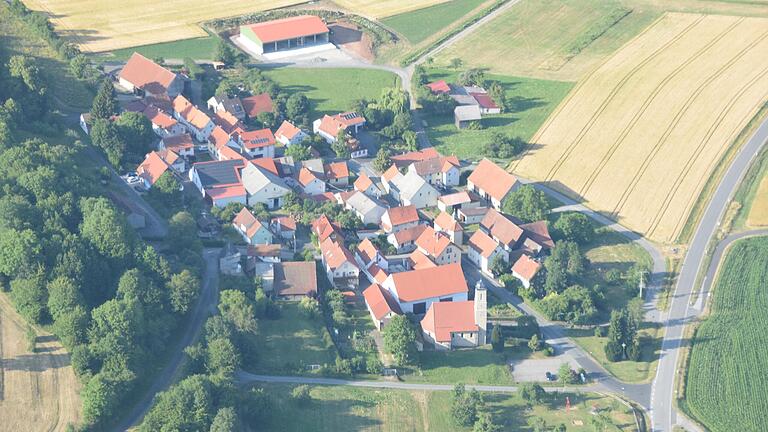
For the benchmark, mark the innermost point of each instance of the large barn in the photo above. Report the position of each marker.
(284, 34)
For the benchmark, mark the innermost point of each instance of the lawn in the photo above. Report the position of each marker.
(531, 101)
(15, 39)
(293, 340)
(203, 48)
(725, 389)
(331, 91)
(627, 371)
(420, 24)
(361, 409)
(470, 366)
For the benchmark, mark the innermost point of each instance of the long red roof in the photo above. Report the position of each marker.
(289, 28)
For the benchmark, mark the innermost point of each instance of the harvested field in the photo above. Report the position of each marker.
(38, 392)
(384, 8)
(98, 25)
(638, 137)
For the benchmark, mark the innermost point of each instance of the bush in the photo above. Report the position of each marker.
(549, 351)
(301, 395)
(565, 374)
(532, 393)
(309, 307)
(600, 331)
(614, 352)
(613, 275)
(534, 344)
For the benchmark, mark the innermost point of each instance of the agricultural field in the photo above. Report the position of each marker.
(203, 48)
(531, 101)
(38, 391)
(290, 341)
(331, 91)
(363, 409)
(723, 391)
(758, 213)
(385, 8)
(97, 25)
(638, 138)
(420, 24)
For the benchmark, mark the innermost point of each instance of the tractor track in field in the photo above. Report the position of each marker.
(676, 120)
(678, 181)
(648, 101)
(571, 94)
(613, 93)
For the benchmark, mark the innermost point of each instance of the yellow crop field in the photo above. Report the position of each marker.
(758, 214)
(639, 136)
(38, 392)
(101, 25)
(385, 8)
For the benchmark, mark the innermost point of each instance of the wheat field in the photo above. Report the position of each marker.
(638, 137)
(38, 391)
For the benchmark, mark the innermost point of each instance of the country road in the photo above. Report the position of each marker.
(663, 413)
(205, 306)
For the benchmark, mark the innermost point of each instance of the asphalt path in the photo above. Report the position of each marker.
(205, 306)
(663, 413)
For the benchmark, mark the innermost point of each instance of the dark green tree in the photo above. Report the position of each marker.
(183, 289)
(399, 338)
(222, 357)
(224, 52)
(575, 227)
(497, 338)
(226, 420)
(238, 310)
(105, 102)
(532, 393)
(527, 204)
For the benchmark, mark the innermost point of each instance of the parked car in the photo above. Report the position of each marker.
(550, 376)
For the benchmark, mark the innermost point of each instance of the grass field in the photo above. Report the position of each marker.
(638, 138)
(203, 48)
(725, 391)
(416, 411)
(474, 366)
(98, 25)
(420, 24)
(333, 90)
(758, 213)
(38, 391)
(385, 8)
(531, 100)
(63, 87)
(290, 341)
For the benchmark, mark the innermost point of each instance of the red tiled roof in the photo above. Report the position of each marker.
(484, 100)
(335, 254)
(402, 215)
(378, 274)
(409, 234)
(159, 118)
(306, 177)
(264, 250)
(178, 142)
(406, 159)
(228, 191)
(420, 261)
(289, 28)
(152, 167)
(492, 179)
(323, 228)
(380, 301)
(333, 124)
(439, 87)
(247, 220)
(218, 137)
(295, 278)
(146, 74)
(286, 223)
(432, 242)
(444, 318)
(483, 244)
(501, 227)
(228, 153)
(367, 251)
(427, 283)
(363, 182)
(336, 170)
(455, 198)
(257, 138)
(435, 165)
(538, 232)
(190, 113)
(390, 173)
(445, 222)
(526, 267)
(268, 164)
(287, 130)
(227, 121)
(257, 104)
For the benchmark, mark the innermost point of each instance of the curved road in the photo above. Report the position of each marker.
(663, 413)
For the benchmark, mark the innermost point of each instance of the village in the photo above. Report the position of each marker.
(431, 234)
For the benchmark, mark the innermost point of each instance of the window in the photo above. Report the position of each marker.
(447, 299)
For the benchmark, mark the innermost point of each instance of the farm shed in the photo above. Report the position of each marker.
(284, 34)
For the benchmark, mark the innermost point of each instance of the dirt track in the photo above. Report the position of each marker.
(38, 392)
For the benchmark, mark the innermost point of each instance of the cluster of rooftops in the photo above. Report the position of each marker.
(424, 277)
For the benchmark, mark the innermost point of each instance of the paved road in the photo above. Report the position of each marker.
(246, 377)
(206, 305)
(663, 414)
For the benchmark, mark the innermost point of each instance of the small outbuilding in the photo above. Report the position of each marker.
(463, 115)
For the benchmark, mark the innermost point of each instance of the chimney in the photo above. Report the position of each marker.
(481, 311)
